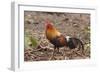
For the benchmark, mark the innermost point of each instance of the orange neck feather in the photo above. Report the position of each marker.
(51, 31)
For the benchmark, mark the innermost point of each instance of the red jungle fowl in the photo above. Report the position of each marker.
(59, 40)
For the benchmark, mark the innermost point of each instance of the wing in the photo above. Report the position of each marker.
(59, 41)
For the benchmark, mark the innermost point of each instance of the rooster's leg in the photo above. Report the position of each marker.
(57, 50)
(52, 57)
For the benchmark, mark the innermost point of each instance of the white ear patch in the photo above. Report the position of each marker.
(67, 37)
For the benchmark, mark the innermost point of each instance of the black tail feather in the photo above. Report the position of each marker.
(81, 46)
(72, 43)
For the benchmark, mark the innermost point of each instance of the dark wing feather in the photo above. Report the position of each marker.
(59, 41)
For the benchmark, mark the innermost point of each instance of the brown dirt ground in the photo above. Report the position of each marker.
(70, 24)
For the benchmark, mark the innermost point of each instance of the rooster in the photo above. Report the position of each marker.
(59, 40)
